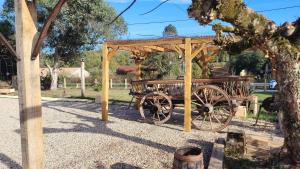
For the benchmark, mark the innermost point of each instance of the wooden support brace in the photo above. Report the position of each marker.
(197, 51)
(112, 53)
(46, 27)
(11, 50)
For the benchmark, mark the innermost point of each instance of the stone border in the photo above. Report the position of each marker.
(217, 155)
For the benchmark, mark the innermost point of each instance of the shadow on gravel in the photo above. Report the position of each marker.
(123, 166)
(98, 126)
(4, 159)
(249, 126)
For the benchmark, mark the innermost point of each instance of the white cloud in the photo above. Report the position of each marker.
(171, 1)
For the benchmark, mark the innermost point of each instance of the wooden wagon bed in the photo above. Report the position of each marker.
(157, 98)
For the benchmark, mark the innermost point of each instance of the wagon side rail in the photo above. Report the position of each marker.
(235, 86)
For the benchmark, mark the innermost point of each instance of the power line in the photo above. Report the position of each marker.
(128, 7)
(155, 7)
(277, 9)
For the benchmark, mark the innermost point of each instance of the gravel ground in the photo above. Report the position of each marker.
(74, 137)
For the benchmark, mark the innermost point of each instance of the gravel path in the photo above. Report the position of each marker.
(74, 137)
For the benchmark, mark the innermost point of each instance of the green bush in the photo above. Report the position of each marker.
(252, 62)
(46, 82)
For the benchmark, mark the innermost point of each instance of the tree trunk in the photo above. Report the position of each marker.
(54, 72)
(288, 96)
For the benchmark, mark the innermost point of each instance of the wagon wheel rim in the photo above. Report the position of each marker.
(211, 108)
(156, 108)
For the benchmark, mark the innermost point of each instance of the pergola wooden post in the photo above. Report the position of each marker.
(105, 82)
(138, 71)
(29, 88)
(187, 85)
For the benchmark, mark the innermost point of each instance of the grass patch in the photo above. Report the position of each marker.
(114, 94)
(263, 115)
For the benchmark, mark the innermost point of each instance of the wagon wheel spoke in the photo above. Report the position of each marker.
(158, 116)
(217, 119)
(195, 103)
(211, 125)
(202, 121)
(163, 114)
(217, 101)
(164, 100)
(195, 94)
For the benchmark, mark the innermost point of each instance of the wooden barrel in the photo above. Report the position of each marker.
(188, 158)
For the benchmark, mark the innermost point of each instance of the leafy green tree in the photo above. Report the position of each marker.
(170, 31)
(80, 26)
(252, 62)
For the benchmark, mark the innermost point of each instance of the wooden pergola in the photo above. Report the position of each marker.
(187, 47)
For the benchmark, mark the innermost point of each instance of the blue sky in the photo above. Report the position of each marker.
(176, 10)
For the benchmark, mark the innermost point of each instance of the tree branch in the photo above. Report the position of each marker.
(46, 27)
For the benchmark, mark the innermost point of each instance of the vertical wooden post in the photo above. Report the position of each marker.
(29, 87)
(111, 83)
(65, 82)
(138, 72)
(126, 85)
(105, 82)
(82, 78)
(205, 69)
(187, 85)
(138, 76)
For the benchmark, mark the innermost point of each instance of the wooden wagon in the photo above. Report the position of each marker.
(213, 100)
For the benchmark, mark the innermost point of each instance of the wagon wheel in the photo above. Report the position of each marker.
(156, 108)
(211, 108)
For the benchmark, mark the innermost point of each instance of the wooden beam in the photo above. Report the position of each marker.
(105, 82)
(161, 41)
(187, 85)
(157, 48)
(46, 27)
(29, 86)
(10, 49)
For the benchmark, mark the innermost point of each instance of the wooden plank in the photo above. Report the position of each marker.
(29, 86)
(187, 85)
(105, 82)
